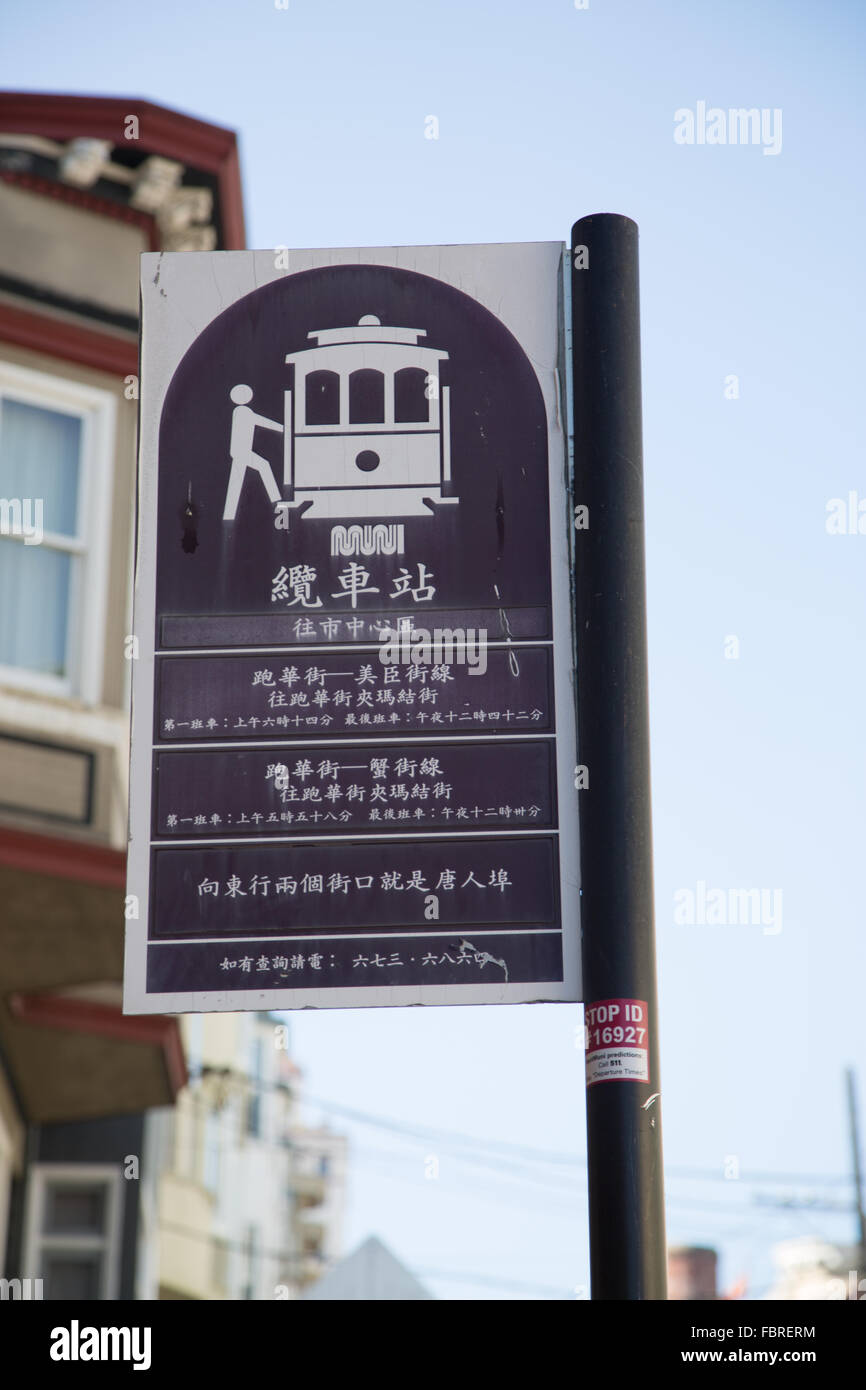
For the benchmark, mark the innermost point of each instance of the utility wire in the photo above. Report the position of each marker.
(544, 1156)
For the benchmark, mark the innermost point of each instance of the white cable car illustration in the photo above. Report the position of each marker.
(367, 426)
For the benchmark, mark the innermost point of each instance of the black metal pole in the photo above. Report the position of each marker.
(850, 1087)
(624, 1146)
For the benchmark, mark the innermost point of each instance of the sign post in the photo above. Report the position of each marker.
(352, 777)
(624, 1147)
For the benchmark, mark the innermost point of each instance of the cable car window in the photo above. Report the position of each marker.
(410, 395)
(323, 398)
(366, 397)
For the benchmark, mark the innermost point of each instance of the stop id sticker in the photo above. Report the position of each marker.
(617, 1041)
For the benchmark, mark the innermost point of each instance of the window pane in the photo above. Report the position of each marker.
(75, 1210)
(366, 397)
(410, 395)
(40, 457)
(34, 608)
(323, 398)
(71, 1275)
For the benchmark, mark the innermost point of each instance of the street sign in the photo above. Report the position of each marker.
(353, 756)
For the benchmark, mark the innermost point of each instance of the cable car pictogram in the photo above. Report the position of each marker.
(367, 425)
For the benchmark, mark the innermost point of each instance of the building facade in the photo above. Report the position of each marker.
(250, 1202)
(86, 185)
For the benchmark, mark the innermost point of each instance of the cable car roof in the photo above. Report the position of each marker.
(368, 330)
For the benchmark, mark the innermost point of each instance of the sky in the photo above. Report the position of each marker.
(751, 268)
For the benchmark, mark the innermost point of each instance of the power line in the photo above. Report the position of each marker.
(559, 1158)
(384, 1158)
(527, 1154)
(471, 1152)
(492, 1282)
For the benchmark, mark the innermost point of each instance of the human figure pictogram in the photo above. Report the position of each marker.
(243, 456)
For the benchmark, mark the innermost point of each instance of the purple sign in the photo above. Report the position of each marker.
(352, 442)
(375, 788)
(351, 695)
(365, 888)
(285, 629)
(255, 966)
(354, 753)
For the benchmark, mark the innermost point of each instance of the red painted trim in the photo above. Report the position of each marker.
(80, 198)
(232, 203)
(63, 116)
(71, 341)
(70, 859)
(161, 131)
(46, 1010)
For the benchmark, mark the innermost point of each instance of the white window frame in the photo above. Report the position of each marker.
(41, 1177)
(85, 634)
